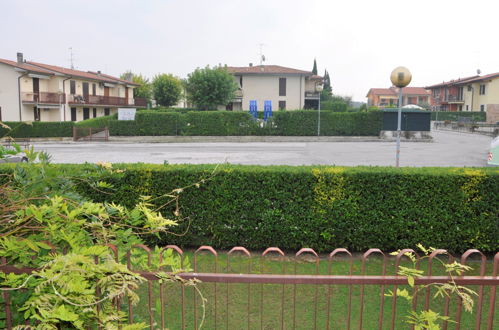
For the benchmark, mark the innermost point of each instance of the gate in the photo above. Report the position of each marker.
(90, 134)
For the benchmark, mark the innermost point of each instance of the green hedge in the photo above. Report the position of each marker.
(320, 207)
(227, 123)
(453, 115)
(98, 122)
(38, 129)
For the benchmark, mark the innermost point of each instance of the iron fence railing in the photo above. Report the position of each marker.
(44, 98)
(272, 290)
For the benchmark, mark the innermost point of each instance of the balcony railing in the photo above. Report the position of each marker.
(44, 98)
(454, 98)
(106, 100)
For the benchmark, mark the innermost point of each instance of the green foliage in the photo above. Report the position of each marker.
(98, 122)
(37, 129)
(454, 115)
(167, 89)
(227, 123)
(210, 87)
(145, 88)
(428, 319)
(314, 69)
(317, 207)
(47, 225)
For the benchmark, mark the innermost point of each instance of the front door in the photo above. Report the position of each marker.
(36, 89)
(37, 113)
(73, 114)
(106, 91)
(86, 113)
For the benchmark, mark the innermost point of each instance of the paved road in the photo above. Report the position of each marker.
(447, 149)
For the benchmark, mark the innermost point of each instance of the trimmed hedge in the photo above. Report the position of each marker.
(319, 207)
(38, 129)
(228, 123)
(98, 122)
(453, 115)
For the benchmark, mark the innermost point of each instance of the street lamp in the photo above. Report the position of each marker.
(319, 88)
(400, 77)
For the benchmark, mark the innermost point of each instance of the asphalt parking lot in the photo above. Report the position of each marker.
(447, 149)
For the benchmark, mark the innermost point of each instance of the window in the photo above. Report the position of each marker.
(73, 114)
(467, 107)
(86, 113)
(436, 93)
(282, 86)
(94, 112)
(94, 89)
(241, 81)
(482, 89)
(482, 107)
(106, 111)
(0, 113)
(282, 105)
(72, 87)
(469, 88)
(460, 93)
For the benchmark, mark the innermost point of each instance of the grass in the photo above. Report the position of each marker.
(256, 306)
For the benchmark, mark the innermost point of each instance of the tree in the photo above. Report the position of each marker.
(167, 89)
(314, 70)
(210, 87)
(327, 91)
(144, 90)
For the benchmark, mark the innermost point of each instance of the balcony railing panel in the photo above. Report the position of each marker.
(44, 97)
(105, 100)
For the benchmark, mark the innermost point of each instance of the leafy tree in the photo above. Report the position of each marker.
(167, 89)
(210, 87)
(314, 70)
(144, 90)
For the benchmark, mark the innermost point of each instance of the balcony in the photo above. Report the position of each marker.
(43, 98)
(454, 99)
(106, 100)
(312, 95)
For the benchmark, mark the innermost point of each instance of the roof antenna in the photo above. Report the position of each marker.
(71, 58)
(262, 57)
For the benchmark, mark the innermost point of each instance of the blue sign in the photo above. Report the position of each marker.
(253, 109)
(267, 110)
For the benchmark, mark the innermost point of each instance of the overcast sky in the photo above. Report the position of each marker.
(358, 42)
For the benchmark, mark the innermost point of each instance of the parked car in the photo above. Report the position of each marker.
(493, 159)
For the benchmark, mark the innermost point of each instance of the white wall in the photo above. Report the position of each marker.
(262, 88)
(9, 94)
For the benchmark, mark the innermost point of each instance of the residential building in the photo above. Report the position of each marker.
(476, 93)
(449, 95)
(31, 91)
(286, 88)
(388, 97)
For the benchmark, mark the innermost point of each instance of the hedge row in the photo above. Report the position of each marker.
(225, 123)
(319, 207)
(98, 122)
(454, 115)
(37, 129)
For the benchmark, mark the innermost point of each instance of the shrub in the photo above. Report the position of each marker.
(38, 129)
(320, 207)
(453, 115)
(99, 122)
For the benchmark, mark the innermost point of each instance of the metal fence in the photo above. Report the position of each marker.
(467, 127)
(90, 134)
(273, 290)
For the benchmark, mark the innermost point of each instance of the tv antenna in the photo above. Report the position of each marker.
(71, 58)
(262, 57)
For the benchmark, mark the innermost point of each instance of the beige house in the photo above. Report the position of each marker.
(480, 93)
(31, 91)
(286, 88)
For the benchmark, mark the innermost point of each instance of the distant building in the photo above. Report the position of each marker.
(286, 88)
(476, 93)
(388, 97)
(31, 91)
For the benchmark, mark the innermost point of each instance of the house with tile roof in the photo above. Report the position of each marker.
(475, 93)
(32, 91)
(388, 97)
(285, 88)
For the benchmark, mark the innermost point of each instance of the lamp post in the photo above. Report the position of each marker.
(400, 77)
(319, 88)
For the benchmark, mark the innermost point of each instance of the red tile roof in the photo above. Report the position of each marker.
(481, 78)
(73, 73)
(266, 69)
(393, 91)
(116, 79)
(26, 66)
(453, 82)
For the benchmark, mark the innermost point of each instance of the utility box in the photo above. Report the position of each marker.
(412, 120)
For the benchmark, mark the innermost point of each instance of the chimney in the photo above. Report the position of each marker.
(98, 72)
(251, 64)
(20, 58)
